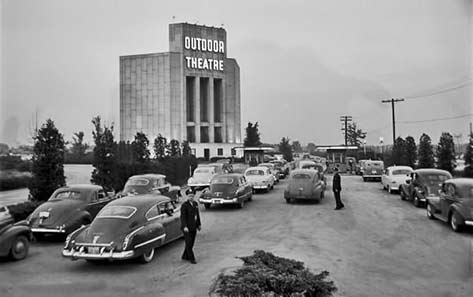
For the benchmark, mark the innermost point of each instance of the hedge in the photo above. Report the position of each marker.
(12, 181)
(21, 211)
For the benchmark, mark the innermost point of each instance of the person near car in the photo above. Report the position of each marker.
(337, 188)
(190, 223)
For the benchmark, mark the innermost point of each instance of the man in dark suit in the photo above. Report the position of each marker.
(337, 188)
(190, 223)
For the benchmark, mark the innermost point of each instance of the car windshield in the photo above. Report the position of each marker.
(137, 182)
(375, 164)
(74, 195)
(301, 176)
(465, 191)
(222, 180)
(435, 179)
(119, 212)
(202, 171)
(401, 171)
(255, 172)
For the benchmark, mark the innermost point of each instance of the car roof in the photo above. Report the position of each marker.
(257, 168)
(431, 171)
(305, 171)
(148, 175)
(235, 175)
(462, 181)
(399, 167)
(83, 187)
(139, 200)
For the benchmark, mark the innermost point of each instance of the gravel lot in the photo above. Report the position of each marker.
(377, 246)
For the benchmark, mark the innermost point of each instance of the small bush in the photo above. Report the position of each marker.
(14, 163)
(21, 211)
(14, 180)
(264, 274)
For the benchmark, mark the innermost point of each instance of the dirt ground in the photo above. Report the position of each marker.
(377, 246)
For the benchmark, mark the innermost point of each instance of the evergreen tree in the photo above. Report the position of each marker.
(310, 148)
(78, 146)
(286, 149)
(446, 152)
(426, 152)
(399, 152)
(173, 149)
(48, 162)
(296, 146)
(469, 158)
(104, 155)
(160, 144)
(355, 135)
(186, 149)
(140, 148)
(411, 151)
(252, 135)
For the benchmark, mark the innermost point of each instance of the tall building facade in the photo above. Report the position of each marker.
(190, 93)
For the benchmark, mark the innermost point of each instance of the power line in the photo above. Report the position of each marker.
(440, 91)
(437, 119)
(392, 101)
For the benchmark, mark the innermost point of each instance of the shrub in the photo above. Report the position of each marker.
(14, 163)
(21, 211)
(12, 181)
(264, 274)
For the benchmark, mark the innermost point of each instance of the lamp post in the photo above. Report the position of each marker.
(364, 147)
(381, 142)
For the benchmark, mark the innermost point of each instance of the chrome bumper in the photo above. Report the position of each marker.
(219, 200)
(74, 255)
(260, 187)
(469, 223)
(48, 230)
(198, 185)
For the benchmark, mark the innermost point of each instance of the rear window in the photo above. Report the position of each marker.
(401, 172)
(375, 164)
(118, 212)
(76, 195)
(301, 176)
(255, 172)
(202, 170)
(138, 182)
(222, 180)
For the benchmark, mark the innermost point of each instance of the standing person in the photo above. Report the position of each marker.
(337, 188)
(190, 223)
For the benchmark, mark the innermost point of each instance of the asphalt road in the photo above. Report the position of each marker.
(377, 246)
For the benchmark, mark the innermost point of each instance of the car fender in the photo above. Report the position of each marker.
(458, 209)
(77, 219)
(150, 236)
(15, 230)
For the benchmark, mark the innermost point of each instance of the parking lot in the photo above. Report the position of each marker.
(377, 246)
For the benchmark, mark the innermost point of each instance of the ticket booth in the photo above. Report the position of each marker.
(337, 157)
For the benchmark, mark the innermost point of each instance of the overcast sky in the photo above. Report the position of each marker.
(303, 63)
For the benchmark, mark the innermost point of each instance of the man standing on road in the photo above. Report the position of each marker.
(337, 188)
(190, 223)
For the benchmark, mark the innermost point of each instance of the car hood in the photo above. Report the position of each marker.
(107, 230)
(60, 211)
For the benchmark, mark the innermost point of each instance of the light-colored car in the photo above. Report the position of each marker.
(150, 183)
(260, 178)
(305, 184)
(306, 164)
(201, 177)
(394, 176)
(272, 169)
(372, 170)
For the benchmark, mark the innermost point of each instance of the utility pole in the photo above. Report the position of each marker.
(392, 101)
(346, 119)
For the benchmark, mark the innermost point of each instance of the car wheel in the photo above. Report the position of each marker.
(416, 201)
(288, 201)
(430, 214)
(389, 190)
(241, 204)
(147, 256)
(268, 189)
(403, 196)
(19, 247)
(455, 222)
(322, 195)
(251, 197)
(207, 205)
(364, 179)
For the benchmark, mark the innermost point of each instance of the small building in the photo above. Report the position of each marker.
(337, 156)
(253, 153)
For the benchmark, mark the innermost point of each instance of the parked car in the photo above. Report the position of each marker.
(394, 176)
(372, 170)
(282, 168)
(454, 205)
(305, 184)
(305, 164)
(359, 167)
(239, 167)
(5, 216)
(220, 167)
(150, 184)
(260, 178)
(126, 228)
(423, 183)
(14, 237)
(272, 169)
(201, 177)
(227, 189)
(67, 209)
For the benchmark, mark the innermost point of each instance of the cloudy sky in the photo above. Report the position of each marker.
(303, 63)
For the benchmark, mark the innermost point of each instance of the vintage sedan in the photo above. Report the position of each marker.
(423, 184)
(150, 184)
(201, 177)
(307, 184)
(272, 169)
(260, 178)
(372, 170)
(126, 228)
(394, 176)
(14, 237)
(67, 209)
(227, 189)
(454, 205)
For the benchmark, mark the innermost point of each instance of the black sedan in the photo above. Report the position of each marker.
(14, 237)
(227, 189)
(126, 228)
(454, 205)
(150, 184)
(67, 209)
(422, 184)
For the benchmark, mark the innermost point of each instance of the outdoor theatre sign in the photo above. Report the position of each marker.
(204, 45)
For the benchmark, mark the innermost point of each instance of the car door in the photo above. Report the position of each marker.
(447, 199)
(94, 205)
(170, 220)
(246, 187)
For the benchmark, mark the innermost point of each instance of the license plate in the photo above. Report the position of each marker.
(44, 214)
(373, 171)
(93, 250)
(217, 201)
